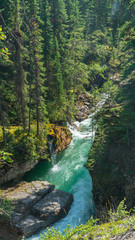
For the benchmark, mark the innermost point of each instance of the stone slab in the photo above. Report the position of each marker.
(29, 225)
(53, 207)
(25, 195)
(36, 205)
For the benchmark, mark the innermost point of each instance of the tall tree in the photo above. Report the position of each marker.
(59, 21)
(74, 16)
(5, 84)
(47, 31)
(20, 76)
(36, 59)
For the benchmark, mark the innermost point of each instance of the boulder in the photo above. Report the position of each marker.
(53, 207)
(36, 205)
(29, 225)
(16, 170)
(81, 116)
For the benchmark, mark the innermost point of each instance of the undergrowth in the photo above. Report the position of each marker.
(5, 208)
(24, 145)
(119, 223)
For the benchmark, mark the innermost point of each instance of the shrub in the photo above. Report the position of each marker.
(5, 158)
(119, 213)
(5, 208)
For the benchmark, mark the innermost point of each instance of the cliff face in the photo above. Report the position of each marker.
(112, 158)
(60, 137)
(16, 170)
(113, 178)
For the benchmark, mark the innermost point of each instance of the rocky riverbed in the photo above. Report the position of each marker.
(83, 105)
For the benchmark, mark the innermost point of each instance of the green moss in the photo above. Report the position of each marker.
(60, 136)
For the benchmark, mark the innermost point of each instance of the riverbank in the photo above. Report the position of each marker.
(112, 158)
(26, 150)
(120, 226)
(29, 207)
(69, 163)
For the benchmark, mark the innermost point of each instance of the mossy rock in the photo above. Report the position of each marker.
(60, 136)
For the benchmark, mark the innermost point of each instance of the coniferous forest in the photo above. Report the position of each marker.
(51, 52)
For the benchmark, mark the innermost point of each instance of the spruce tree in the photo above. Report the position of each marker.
(20, 76)
(59, 22)
(36, 60)
(58, 73)
(47, 31)
(74, 16)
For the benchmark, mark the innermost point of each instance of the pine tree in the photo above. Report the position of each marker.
(91, 19)
(56, 93)
(36, 67)
(59, 22)
(5, 84)
(20, 76)
(98, 15)
(75, 20)
(47, 31)
(58, 73)
(76, 71)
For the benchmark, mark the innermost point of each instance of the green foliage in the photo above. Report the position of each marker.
(68, 233)
(110, 88)
(95, 94)
(97, 56)
(76, 71)
(99, 145)
(4, 52)
(120, 212)
(92, 230)
(5, 158)
(5, 208)
(24, 146)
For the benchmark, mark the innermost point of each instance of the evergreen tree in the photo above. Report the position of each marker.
(36, 59)
(58, 73)
(75, 20)
(76, 71)
(59, 20)
(2, 86)
(98, 15)
(47, 32)
(56, 93)
(20, 76)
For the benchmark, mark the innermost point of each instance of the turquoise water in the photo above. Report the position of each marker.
(68, 173)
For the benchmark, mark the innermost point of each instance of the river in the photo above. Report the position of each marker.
(67, 172)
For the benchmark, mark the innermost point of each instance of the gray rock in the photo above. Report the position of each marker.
(25, 195)
(36, 205)
(15, 171)
(53, 207)
(29, 225)
(16, 217)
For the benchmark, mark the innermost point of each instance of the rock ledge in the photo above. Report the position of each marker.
(36, 205)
